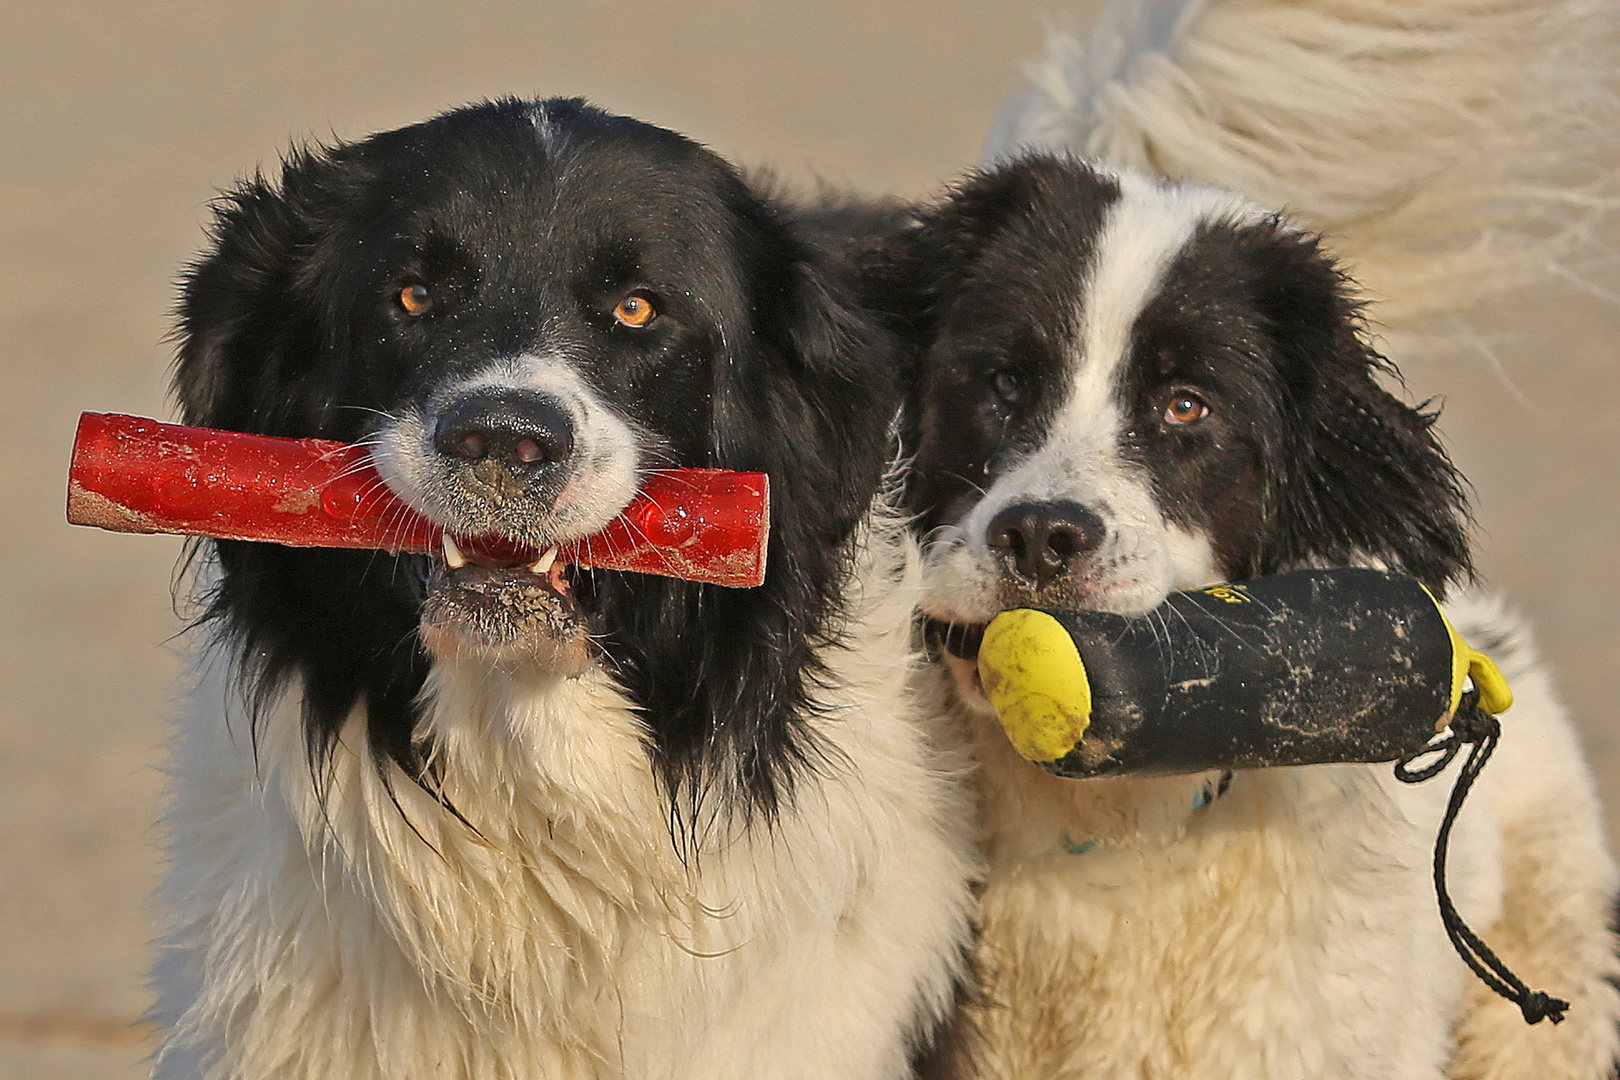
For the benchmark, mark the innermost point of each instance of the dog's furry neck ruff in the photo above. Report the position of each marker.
(561, 934)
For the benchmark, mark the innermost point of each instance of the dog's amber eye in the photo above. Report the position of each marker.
(635, 310)
(1185, 408)
(415, 299)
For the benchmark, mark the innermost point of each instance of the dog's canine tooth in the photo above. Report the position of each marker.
(541, 565)
(453, 557)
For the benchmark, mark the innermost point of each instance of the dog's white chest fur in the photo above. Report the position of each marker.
(567, 937)
(1287, 929)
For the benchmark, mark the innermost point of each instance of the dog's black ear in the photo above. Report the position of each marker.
(927, 257)
(805, 391)
(247, 340)
(1367, 477)
(259, 338)
(907, 270)
(920, 259)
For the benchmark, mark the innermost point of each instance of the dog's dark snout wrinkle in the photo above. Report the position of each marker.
(1041, 540)
(522, 431)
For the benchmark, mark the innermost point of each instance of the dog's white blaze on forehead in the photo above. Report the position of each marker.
(1145, 229)
(549, 134)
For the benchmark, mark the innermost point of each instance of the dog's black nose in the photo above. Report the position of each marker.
(521, 430)
(1041, 539)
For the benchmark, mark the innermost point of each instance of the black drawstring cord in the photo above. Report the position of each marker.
(1473, 725)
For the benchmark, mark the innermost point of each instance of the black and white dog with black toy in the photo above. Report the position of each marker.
(453, 818)
(1126, 387)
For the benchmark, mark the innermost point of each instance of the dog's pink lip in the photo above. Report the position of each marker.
(962, 639)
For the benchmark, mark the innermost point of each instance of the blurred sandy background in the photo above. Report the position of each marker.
(119, 120)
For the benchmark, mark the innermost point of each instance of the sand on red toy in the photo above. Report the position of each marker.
(131, 474)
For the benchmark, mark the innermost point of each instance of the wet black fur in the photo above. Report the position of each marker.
(763, 362)
(1305, 459)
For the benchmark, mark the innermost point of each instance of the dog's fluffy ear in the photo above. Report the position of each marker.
(727, 677)
(915, 262)
(1024, 205)
(1367, 477)
(924, 256)
(253, 349)
(245, 338)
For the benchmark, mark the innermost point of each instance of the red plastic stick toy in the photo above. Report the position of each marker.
(130, 474)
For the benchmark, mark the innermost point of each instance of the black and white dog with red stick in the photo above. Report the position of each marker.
(465, 817)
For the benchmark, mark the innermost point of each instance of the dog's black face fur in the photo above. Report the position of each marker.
(384, 290)
(1119, 388)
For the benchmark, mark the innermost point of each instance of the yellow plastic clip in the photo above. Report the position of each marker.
(1467, 663)
(1494, 695)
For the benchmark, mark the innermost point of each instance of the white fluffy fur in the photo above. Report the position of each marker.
(1557, 877)
(1452, 149)
(568, 938)
(1288, 929)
